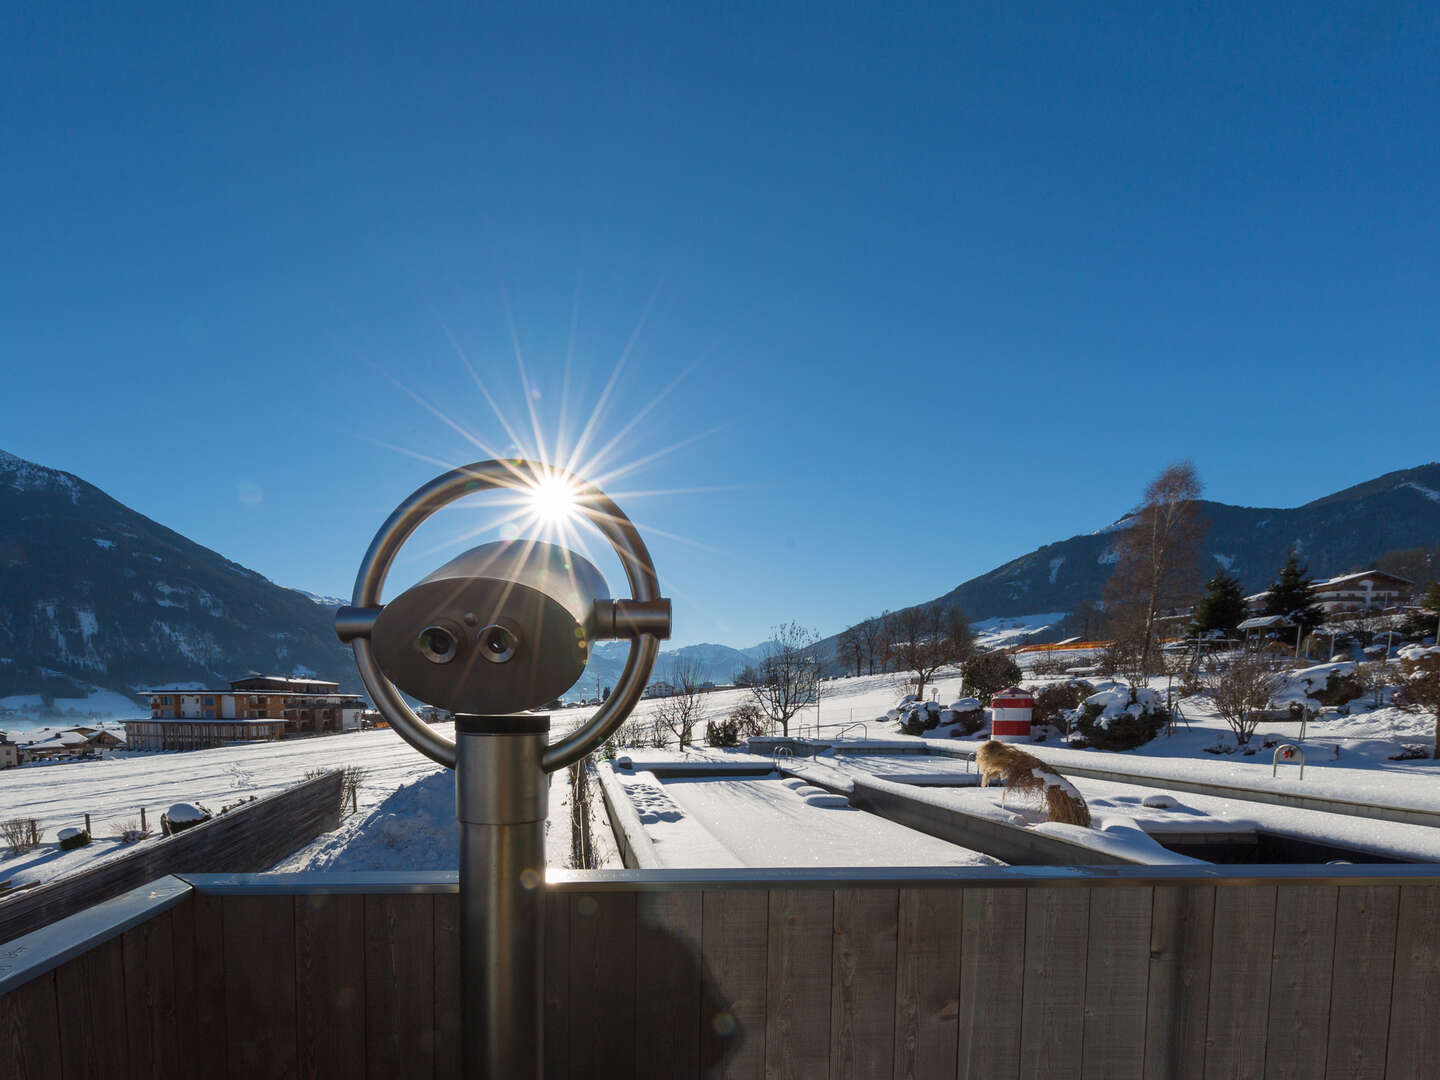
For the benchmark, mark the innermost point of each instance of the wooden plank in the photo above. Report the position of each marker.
(557, 984)
(1052, 1013)
(330, 984)
(1239, 1007)
(447, 986)
(992, 980)
(1360, 994)
(602, 984)
(1178, 998)
(1300, 973)
(797, 989)
(1414, 1045)
(30, 1031)
(90, 994)
(399, 985)
(148, 956)
(862, 983)
(1117, 981)
(927, 982)
(208, 945)
(667, 984)
(735, 935)
(259, 969)
(188, 1047)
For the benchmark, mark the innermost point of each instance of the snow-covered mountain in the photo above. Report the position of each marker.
(96, 596)
(716, 663)
(1345, 531)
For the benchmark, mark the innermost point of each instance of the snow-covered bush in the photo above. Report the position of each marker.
(73, 838)
(1056, 703)
(745, 721)
(132, 831)
(964, 717)
(1121, 718)
(182, 816)
(1331, 684)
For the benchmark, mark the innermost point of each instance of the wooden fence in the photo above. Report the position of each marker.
(1092, 972)
(249, 838)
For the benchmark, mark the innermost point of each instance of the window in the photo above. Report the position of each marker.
(209, 701)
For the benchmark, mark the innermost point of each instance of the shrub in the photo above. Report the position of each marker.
(22, 834)
(352, 779)
(986, 673)
(1240, 691)
(183, 816)
(1055, 703)
(1051, 662)
(721, 733)
(73, 838)
(1339, 689)
(745, 721)
(131, 832)
(1121, 718)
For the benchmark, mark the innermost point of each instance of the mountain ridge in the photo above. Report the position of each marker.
(1336, 533)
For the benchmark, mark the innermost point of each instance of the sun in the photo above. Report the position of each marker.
(553, 500)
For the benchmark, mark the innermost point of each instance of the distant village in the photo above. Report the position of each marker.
(260, 708)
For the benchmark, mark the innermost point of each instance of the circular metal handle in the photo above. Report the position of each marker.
(591, 503)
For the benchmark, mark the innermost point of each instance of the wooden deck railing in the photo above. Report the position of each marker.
(992, 972)
(249, 838)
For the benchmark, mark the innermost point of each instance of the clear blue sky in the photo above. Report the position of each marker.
(949, 283)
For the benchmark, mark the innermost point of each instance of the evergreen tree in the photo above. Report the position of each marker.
(1291, 596)
(1222, 607)
(1432, 597)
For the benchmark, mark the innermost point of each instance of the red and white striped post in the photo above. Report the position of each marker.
(1010, 711)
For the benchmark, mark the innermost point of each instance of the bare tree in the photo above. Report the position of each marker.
(1420, 689)
(885, 639)
(685, 708)
(929, 638)
(1241, 690)
(789, 675)
(870, 639)
(850, 648)
(1158, 559)
(1374, 677)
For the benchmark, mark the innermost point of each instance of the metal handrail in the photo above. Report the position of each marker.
(864, 729)
(1289, 750)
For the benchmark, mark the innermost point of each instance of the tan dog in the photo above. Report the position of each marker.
(1028, 774)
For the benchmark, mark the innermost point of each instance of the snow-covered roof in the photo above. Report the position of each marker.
(1343, 578)
(1264, 622)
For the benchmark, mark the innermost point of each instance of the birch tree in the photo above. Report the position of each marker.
(1157, 559)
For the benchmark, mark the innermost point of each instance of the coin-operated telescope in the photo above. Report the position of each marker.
(503, 628)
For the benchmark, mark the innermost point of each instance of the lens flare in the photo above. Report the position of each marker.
(554, 500)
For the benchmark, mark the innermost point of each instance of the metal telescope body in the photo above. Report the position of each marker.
(503, 628)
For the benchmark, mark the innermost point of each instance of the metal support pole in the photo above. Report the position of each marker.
(501, 801)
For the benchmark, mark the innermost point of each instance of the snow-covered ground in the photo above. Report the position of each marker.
(113, 788)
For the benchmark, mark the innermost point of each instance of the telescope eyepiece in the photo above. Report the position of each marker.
(498, 643)
(439, 644)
